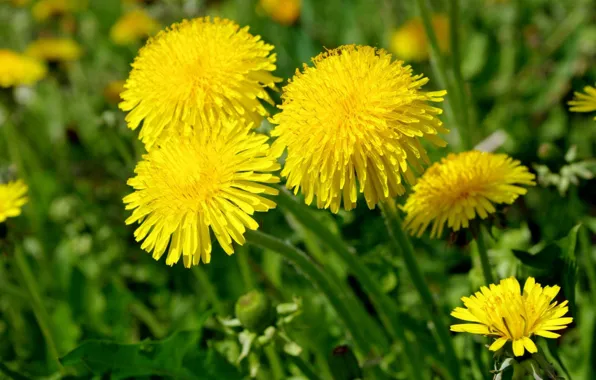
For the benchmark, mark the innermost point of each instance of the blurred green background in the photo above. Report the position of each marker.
(66, 138)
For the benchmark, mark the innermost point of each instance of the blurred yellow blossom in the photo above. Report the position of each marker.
(283, 11)
(54, 49)
(133, 26)
(409, 41)
(17, 69)
(584, 102)
(13, 196)
(46, 9)
(113, 90)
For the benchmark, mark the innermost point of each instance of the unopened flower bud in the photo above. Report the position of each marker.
(254, 311)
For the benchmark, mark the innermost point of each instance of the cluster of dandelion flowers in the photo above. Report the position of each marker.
(213, 179)
(584, 102)
(55, 49)
(17, 69)
(13, 195)
(462, 186)
(505, 312)
(133, 26)
(195, 72)
(355, 118)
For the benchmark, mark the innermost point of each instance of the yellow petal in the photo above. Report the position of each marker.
(497, 344)
(518, 347)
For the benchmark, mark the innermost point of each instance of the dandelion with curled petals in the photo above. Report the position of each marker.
(355, 119)
(504, 312)
(584, 102)
(195, 72)
(210, 180)
(55, 49)
(17, 69)
(461, 186)
(13, 196)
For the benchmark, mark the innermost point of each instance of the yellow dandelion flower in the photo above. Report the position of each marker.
(409, 41)
(461, 186)
(356, 117)
(46, 9)
(209, 180)
(13, 196)
(195, 72)
(584, 102)
(133, 26)
(113, 90)
(54, 49)
(17, 69)
(285, 12)
(504, 312)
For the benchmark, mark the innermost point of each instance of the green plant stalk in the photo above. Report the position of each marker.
(274, 362)
(39, 310)
(208, 289)
(142, 312)
(386, 308)
(585, 247)
(312, 271)
(483, 254)
(441, 71)
(454, 22)
(401, 243)
(304, 367)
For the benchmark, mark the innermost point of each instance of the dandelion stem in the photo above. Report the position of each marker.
(313, 272)
(304, 367)
(385, 306)
(483, 254)
(401, 243)
(39, 310)
(208, 289)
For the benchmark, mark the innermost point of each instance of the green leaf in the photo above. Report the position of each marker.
(569, 275)
(168, 358)
(543, 260)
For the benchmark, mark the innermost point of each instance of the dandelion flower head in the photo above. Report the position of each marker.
(17, 69)
(356, 118)
(285, 12)
(213, 179)
(55, 49)
(133, 26)
(13, 195)
(46, 9)
(409, 42)
(113, 90)
(584, 102)
(504, 312)
(195, 72)
(461, 186)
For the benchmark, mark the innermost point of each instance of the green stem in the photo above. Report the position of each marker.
(274, 362)
(208, 289)
(143, 314)
(386, 308)
(585, 249)
(312, 271)
(304, 367)
(454, 23)
(41, 314)
(483, 254)
(401, 243)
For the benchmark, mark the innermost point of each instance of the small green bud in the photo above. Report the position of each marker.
(343, 364)
(254, 311)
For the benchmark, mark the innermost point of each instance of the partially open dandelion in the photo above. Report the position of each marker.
(285, 12)
(17, 69)
(584, 102)
(504, 312)
(13, 195)
(461, 186)
(409, 42)
(355, 119)
(195, 72)
(55, 49)
(210, 180)
(133, 26)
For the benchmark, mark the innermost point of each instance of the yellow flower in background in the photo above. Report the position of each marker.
(133, 26)
(45, 9)
(409, 41)
(17, 69)
(20, 3)
(584, 102)
(209, 180)
(113, 90)
(13, 196)
(195, 72)
(461, 186)
(54, 49)
(355, 118)
(285, 12)
(504, 312)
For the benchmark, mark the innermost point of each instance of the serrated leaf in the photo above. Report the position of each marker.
(543, 260)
